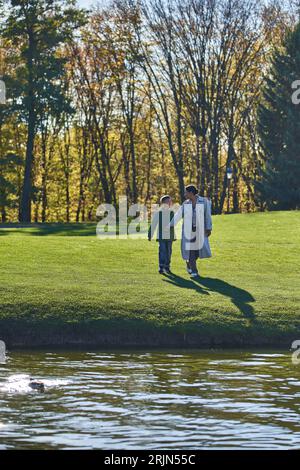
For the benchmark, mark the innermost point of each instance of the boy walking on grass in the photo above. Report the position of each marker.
(165, 234)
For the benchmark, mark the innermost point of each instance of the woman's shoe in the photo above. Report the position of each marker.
(189, 270)
(195, 274)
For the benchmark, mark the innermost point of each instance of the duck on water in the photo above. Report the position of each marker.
(37, 385)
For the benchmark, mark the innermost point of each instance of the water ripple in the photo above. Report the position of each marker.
(168, 399)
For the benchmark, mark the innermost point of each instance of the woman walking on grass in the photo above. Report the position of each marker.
(196, 228)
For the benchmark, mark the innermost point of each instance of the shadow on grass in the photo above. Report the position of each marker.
(185, 283)
(72, 229)
(239, 297)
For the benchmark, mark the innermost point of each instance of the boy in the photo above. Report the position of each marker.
(165, 234)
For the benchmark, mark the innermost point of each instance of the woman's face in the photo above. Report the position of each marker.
(188, 195)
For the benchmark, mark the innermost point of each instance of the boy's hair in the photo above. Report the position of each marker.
(191, 189)
(164, 199)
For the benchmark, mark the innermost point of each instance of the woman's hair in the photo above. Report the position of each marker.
(191, 189)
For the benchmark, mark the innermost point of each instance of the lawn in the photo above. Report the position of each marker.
(64, 275)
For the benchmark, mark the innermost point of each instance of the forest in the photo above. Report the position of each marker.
(139, 98)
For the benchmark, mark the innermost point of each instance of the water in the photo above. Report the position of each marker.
(150, 400)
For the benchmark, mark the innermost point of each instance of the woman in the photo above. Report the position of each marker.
(196, 228)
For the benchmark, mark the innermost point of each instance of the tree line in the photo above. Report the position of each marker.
(137, 98)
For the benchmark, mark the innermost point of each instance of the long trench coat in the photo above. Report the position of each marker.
(205, 224)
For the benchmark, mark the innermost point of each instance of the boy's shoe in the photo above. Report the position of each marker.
(161, 271)
(195, 274)
(168, 271)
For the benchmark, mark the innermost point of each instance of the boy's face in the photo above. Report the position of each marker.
(168, 202)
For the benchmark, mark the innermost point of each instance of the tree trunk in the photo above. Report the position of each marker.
(235, 194)
(27, 182)
(44, 183)
(133, 165)
(3, 215)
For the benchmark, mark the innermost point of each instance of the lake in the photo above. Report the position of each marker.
(183, 399)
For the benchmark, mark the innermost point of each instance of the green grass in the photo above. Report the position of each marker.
(64, 274)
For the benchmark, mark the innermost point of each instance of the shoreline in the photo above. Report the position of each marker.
(75, 336)
(61, 287)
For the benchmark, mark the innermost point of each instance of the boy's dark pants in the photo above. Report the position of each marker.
(165, 253)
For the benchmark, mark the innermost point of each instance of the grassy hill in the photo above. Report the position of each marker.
(62, 285)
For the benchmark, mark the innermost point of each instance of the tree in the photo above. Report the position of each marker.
(38, 28)
(8, 189)
(279, 129)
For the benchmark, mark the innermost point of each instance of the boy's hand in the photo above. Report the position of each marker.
(208, 233)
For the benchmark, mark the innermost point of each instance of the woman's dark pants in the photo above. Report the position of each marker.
(192, 262)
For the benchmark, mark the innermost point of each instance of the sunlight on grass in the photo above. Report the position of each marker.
(64, 273)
